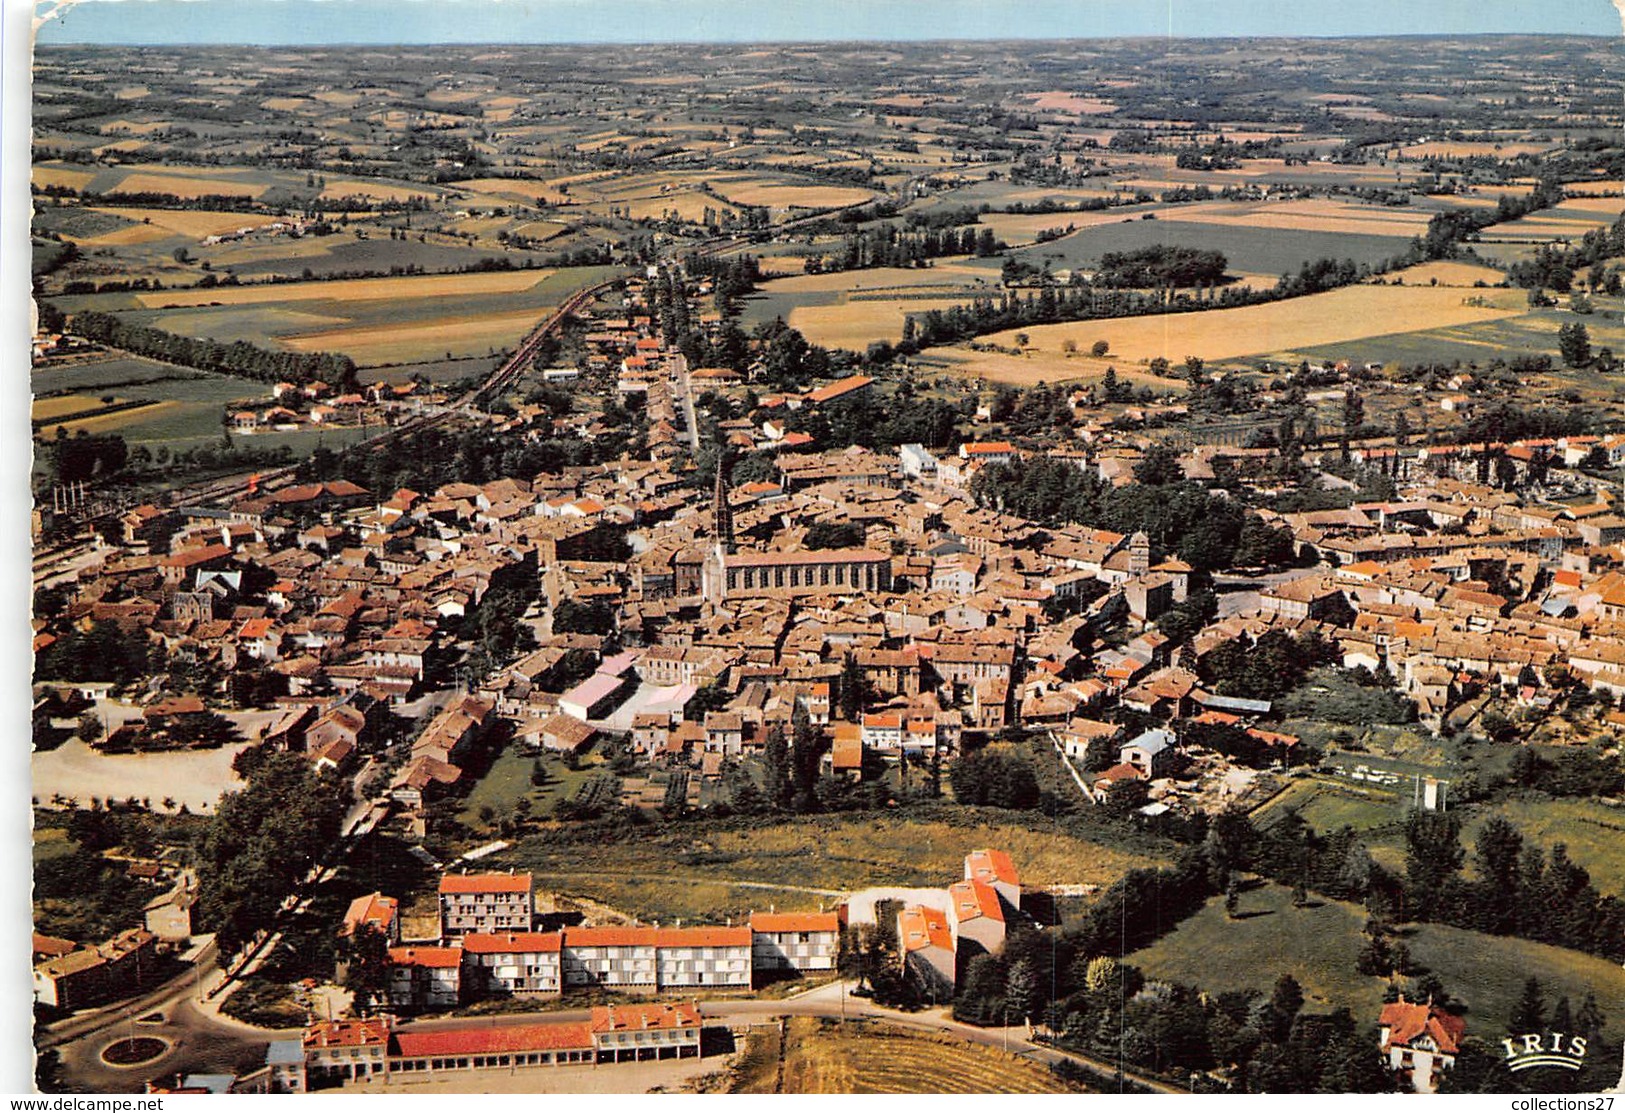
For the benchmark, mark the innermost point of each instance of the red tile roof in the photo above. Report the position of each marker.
(502, 1039)
(512, 942)
(1409, 1020)
(974, 899)
(838, 388)
(614, 1018)
(794, 921)
(988, 866)
(439, 958)
(347, 1033)
(486, 883)
(919, 928)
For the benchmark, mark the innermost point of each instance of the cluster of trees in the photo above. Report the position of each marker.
(1267, 667)
(82, 895)
(1355, 696)
(239, 358)
(1481, 1065)
(890, 246)
(426, 459)
(1555, 268)
(1160, 266)
(263, 841)
(1519, 888)
(496, 626)
(1567, 772)
(995, 777)
(1077, 302)
(875, 421)
(833, 535)
(1179, 517)
(1448, 229)
(105, 651)
(573, 617)
(789, 769)
(85, 455)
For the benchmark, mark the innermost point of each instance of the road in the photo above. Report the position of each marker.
(202, 1041)
(687, 390)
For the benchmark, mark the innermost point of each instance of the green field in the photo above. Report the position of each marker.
(508, 781)
(1594, 833)
(1318, 944)
(1249, 250)
(806, 864)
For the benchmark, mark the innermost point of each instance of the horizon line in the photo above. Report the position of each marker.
(870, 41)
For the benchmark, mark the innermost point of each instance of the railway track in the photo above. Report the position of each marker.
(212, 490)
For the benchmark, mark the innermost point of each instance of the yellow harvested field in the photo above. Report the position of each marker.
(353, 187)
(404, 288)
(343, 100)
(1446, 273)
(1589, 207)
(879, 278)
(191, 222)
(131, 236)
(687, 206)
(530, 189)
(285, 104)
(132, 92)
(1312, 216)
(1339, 316)
(1441, 149)
(1071, 102)
(1020, 228)
(49, 174)
(776, 195)
(857, 324)
(113, 420)
(182, 185)
(461, 336)
(132, 127)
(47, 408)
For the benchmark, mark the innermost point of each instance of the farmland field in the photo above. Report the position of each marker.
(1335, 317)
(1284, 249)
(865, 1057)
(1318, 944)
(638, 875)
(373, 320)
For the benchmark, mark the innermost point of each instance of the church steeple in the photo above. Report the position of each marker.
(722, 515)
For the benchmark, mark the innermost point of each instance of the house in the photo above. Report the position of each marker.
(595, 697)
(345, 1050)
(623, 1033)
(1420, 1042)
(425, 977)
(486, 902)
(1152, 753)
(375, 911)
(92, 975)
(724, 733)
(798, 941)
(928, 949)
(994, 868)
(513, 964)
(975, 917)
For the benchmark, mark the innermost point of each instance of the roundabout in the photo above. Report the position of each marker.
(135, 1051)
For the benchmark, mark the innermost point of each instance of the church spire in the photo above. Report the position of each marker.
(722, 516)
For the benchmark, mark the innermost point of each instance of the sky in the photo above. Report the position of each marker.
(301, 22)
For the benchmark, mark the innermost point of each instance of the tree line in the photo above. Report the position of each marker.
(239, 358)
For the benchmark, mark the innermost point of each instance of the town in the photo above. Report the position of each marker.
(1230, 719)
